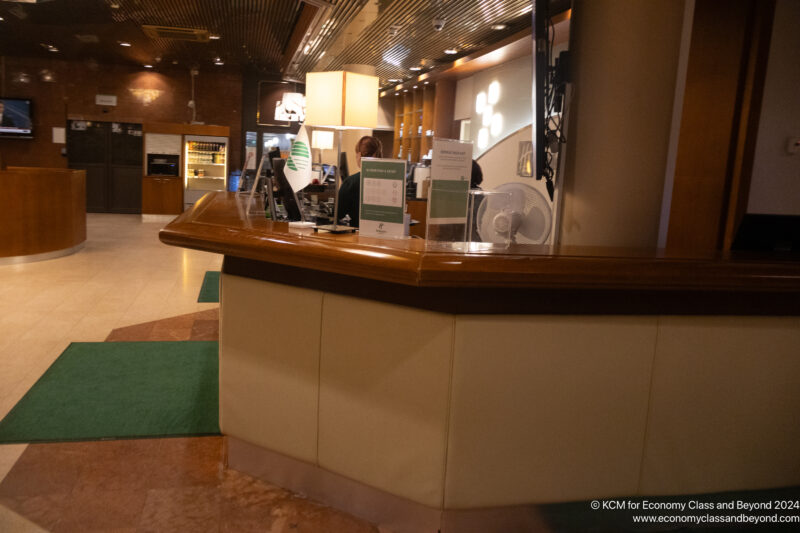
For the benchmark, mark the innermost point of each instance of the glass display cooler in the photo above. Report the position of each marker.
(205, 166)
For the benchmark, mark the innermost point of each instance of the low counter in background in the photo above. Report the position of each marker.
(43, 214)
(431, 390)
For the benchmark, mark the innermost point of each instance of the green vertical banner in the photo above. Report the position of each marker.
(451, 169)
(383, 197)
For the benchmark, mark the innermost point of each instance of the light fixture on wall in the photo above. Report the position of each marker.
(491, 121)
(146, 96)
(341, 100)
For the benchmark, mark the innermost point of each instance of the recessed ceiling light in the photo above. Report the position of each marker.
(214, 37)
(396, 94)
(405, 90)
(218, 61)
(52, 48)
(451, 51)
(499, 26)
(124, 43)
(394, 80)
(426, 83)
(2, 19)
(148, 66)
(415, 86)
(415, 68)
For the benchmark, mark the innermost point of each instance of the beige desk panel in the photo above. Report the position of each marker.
(725, 406)
(269, 365)
(547, 408)
(384, 392)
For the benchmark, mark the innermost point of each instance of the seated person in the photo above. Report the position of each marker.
(350, 191)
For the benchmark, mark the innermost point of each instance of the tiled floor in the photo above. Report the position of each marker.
(148, 485)
(125, 286)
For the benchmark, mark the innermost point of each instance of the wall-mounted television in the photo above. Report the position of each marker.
(16, 118)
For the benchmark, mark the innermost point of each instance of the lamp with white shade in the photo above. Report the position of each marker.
(341, 100)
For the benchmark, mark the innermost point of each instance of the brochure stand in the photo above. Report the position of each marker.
(451, 169)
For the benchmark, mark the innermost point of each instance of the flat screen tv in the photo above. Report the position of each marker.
(16, 118)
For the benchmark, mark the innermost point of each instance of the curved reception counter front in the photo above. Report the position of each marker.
(429, 389)
(44, 213)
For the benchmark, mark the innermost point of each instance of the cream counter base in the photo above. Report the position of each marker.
(445, 412)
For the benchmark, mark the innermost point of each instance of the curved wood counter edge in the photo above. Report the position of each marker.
(44, 215)
(638, 280)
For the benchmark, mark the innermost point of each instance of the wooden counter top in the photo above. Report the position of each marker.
(217, 224)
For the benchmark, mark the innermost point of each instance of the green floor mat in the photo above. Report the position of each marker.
(209, 291)
(108, 390)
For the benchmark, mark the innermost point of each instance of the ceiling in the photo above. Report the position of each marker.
(286, 38)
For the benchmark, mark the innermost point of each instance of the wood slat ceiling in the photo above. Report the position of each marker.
(254, 32)
(400, 34)
(393, 35)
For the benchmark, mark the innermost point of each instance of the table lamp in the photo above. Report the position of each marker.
(341, 100)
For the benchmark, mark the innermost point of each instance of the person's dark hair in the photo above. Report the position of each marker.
(476, 178)
(369, 146)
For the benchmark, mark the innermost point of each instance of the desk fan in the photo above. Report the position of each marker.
(526, 219)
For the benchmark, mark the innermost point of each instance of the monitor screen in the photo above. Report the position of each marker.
(16, 118)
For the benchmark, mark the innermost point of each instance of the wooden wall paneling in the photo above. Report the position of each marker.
(428, 111)
(398, 125)
(709, 124)
(444, 109)
(749, 118)
(218, 97)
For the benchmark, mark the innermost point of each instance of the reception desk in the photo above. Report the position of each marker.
(43, 214)
(429, 389)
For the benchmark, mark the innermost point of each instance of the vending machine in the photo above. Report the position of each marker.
(205, 166)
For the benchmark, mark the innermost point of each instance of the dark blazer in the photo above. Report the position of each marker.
(350, 198)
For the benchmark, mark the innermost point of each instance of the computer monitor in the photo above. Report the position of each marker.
(285, 192)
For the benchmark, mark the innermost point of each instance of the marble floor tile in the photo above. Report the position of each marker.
(125, 285)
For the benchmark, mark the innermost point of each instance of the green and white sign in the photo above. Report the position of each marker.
(383, 197)
(451, 168)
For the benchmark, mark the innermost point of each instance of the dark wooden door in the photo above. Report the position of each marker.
(111, 155)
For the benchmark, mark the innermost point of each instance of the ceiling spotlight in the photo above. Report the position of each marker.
(405, 90)
(214, 37)
(124, 43)
(218, 61)
(451, 51)
(415, 68)
(499, 26)
(2, 19)
(426, 83)
(52, 48)
(148, 66)
(396, 94)
(415, 86)
(394, 80)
